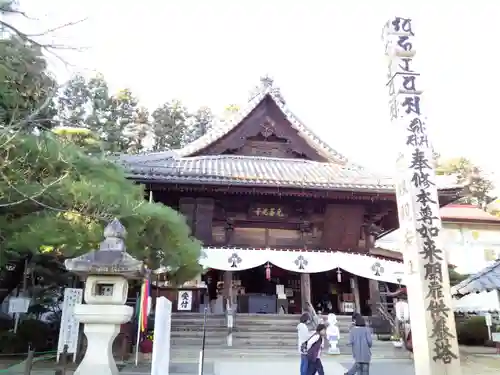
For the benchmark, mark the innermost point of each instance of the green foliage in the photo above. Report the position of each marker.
(40, 335)
(477, 187)
(169, 126)
(73, 102)
(81, 137)
(7, 6)
(120, 117)
(57, 189)
(472, 331)
(201, 122)
(65, 197)
(26, 89)
(117, 120)
(121, 124)
(455, 277)
(138, 131)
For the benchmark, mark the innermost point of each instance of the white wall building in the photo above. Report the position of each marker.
(471, 239)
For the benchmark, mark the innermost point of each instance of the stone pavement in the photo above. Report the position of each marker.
(334, 365)
(277, 367)
(471, 365)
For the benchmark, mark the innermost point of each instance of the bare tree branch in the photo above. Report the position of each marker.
(29, 38)
(48, 31)
(6, 8)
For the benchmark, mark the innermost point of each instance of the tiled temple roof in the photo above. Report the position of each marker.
(485, 280)
(338, 173)
(262, 171)
(469, 213)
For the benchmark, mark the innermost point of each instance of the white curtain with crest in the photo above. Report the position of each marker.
(239, 259)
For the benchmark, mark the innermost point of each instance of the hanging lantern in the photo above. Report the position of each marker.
(339, 275)
(268, 271)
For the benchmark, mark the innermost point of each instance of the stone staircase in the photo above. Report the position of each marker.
(254, 335)
(187, 330)
(255, 330)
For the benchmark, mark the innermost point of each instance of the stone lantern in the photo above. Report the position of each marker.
(106, 272)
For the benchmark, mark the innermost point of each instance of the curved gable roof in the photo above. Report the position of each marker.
(267, 89)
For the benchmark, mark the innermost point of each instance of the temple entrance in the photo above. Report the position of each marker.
(254, 293)
(332, 292)
(339, 282)
(266, 290)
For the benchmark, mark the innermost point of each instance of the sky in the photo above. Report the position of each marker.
(325, 55)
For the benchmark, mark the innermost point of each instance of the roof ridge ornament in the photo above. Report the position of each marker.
(266, 81)
(267, 85)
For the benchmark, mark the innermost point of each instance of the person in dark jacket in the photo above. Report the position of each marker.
(354, 317)
(360, 340)
(212, 293)
(314, 346)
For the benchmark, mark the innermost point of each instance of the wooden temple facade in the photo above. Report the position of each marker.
(269, 199)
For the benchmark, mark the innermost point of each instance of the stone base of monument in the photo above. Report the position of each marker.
(101, 326)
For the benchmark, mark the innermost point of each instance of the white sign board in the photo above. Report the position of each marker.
(19, 305)
(184, 300)
(160, 361)
(348, 307)
(487, 318)
(70, 327)
(489, 323)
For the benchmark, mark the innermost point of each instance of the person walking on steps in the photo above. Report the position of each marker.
(303, 335)
(312, 348)
(360, 340)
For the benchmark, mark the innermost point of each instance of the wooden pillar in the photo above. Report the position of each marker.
(228, 289)
(369, 235)
(355, 292)
(305, 291)
(228, 275)
(374, 296)
(187, 207)
(305, 278)
(204, 214)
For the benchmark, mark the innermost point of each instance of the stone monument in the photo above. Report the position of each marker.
(106, 272)
(426, 277)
